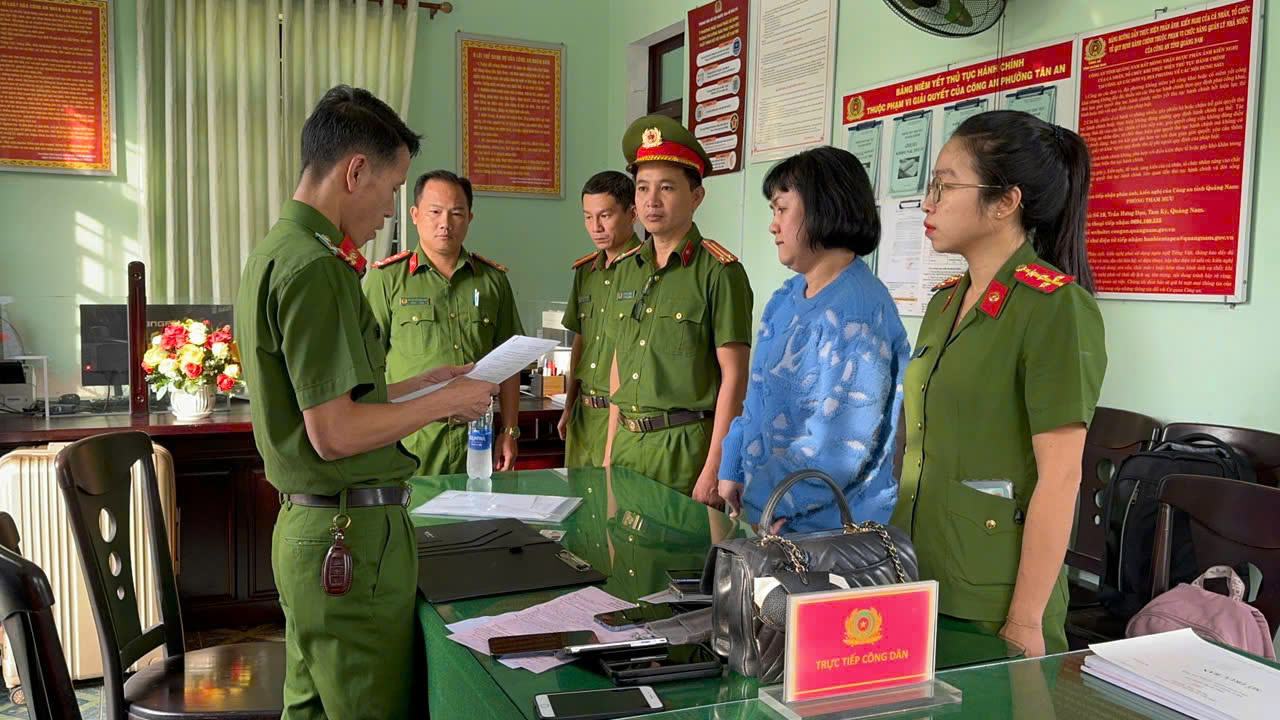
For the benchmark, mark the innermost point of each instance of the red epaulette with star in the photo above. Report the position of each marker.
(584, 259)
(948, 282)
(1042, 278)
(392, 259)
(719, 252)
(490, 263)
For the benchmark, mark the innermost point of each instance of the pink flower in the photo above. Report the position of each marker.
(175, 336)
(223, 335)
(225, 383)
(193, 370)
(147, 369)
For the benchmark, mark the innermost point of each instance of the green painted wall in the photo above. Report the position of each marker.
(1174, 361)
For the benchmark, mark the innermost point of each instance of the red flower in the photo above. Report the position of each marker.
(147, 369)
(225, 383)
(222, 335)
(193, 370)
(175, 336)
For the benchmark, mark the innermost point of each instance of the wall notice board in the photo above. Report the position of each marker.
(1168, 108)
(511, 116)
(56, 86)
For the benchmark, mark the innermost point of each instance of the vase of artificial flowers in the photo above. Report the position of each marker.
(191, 363)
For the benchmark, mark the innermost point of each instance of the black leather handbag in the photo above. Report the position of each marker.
(749, 579)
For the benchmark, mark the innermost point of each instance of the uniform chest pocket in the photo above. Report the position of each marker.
(483, 322)
(985, 540)
(681, 328)
(411, 329)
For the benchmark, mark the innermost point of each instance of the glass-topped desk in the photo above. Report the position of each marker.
(633, 530)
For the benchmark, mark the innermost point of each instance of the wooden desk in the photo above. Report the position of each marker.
(226, 508)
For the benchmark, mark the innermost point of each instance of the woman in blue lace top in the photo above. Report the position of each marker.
(825, 389)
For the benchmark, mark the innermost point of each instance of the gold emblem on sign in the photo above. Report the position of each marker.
(1096, 49)
(855, 109)
(651, 138)
(862, 627)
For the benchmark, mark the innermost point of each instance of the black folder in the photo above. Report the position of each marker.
(493, 557)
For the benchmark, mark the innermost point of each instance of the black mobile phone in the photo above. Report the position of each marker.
(691, 578)
(598, 704)
(539, 643)
(691, 660)
(644, 613)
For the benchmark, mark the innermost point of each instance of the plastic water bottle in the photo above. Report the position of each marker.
(480, 450)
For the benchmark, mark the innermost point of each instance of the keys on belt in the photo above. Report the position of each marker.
(658, 422)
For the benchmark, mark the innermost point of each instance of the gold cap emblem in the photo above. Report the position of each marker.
(651, 138)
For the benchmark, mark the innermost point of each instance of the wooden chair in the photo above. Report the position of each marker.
(1262, 448)
(26, 603)
(1231, 522)
(243, 681)
(1113, 436)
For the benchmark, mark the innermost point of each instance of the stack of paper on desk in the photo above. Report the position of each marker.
(1181, 671)
(575, 611)
(550, 509)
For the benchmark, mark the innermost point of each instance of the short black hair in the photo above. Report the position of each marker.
(442, 176)
(617, 184)
(693, 176)
(350, 120)
(839, 206)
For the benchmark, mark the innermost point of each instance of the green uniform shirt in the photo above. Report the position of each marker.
(670, 321)
(1027, 359)
(594, 292)
(307, 336)
(429, 321)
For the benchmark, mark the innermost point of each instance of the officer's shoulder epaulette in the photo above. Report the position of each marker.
(490, 263)
(393, 259)
(1042, 278)
(629, 253)
(948, 282)
(718, 251)
(585, 259)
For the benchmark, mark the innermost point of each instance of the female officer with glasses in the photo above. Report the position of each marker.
(1005, 377)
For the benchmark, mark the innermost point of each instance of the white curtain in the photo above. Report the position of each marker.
(223, 89)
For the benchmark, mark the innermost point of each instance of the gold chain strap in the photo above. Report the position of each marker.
(793, 553)
(890, 547)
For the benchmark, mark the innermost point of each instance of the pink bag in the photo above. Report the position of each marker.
(1227, 620)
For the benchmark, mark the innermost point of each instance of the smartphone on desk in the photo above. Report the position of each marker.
(685, 579)
(539, 642)
(614, 646)
(598, 704)
(644, 613)
(683, 662)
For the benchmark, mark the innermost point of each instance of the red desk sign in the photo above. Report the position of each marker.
(846, 642)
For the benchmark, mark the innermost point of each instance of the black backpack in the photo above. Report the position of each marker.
(1131, 507)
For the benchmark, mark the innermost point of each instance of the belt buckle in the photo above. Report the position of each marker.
(630, 424)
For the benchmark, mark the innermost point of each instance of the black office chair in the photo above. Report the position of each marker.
(26, 602)
(244, 681)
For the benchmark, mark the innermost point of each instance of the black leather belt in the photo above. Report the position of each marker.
(356, 497)
(666, 420)
(595, 401)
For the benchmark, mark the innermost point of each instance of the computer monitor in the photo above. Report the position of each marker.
(104, 336)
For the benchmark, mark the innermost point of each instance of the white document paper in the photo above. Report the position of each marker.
(530, 508)
(575, 611)
(1180, 670)
(501, 363)
(794, 76)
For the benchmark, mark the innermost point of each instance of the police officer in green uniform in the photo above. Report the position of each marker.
(439, 304)
(1005, 378)
(608, 209)
(683, 319)
(314, 363)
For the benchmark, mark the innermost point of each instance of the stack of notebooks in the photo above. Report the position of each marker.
(1181, 671)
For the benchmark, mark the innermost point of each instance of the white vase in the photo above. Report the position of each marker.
(192, 406)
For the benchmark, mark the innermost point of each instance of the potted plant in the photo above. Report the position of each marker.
(191, 363)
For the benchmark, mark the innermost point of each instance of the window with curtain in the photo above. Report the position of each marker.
(224, 87)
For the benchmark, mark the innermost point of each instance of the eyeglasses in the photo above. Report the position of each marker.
(935, 187)
(637, 310)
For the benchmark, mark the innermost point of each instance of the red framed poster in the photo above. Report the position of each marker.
(511, 116)
(1168, 110)
(56, 90)
(717, 42)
